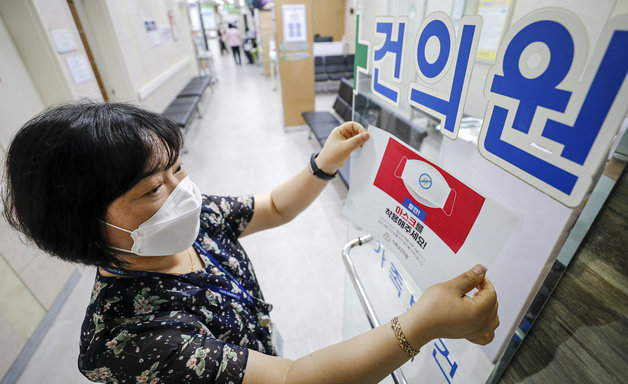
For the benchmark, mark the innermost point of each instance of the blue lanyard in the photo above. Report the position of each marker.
(247, 298)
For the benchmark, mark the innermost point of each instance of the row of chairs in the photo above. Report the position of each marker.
(321, 123)
(369, 112)
(333, 67)
(183, 108)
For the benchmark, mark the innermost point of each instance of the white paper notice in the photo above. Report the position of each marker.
(434, 223)
(493, 14)
(294, 22)
(80, 68)
(154, 38)
(64, 40)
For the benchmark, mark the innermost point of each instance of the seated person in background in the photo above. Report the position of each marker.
(175, 298)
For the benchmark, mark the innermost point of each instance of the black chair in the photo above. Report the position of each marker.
(182, 109)
(319, 69)
(335, 67)
(321, 123)
(417, 135)
(344, 173)
(360, 102)
(323, 39)
(346, 91)
(341, 106)
(196, 86)
(349, 62)
(401, 128)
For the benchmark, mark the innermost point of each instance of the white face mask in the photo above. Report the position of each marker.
(426, 184)
(173, 227)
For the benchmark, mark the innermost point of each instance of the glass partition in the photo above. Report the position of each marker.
(495, 93)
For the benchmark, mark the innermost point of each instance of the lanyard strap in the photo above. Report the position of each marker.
(247, 298)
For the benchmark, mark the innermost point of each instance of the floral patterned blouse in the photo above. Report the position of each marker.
(163, 328)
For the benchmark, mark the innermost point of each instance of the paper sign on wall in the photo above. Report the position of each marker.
(80, 69)
(294, 23)
(435, 223)
(154, 38)
(64, 40)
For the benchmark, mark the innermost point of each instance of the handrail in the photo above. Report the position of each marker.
(144, 91)
(397, 375)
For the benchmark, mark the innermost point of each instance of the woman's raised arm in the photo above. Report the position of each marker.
(443, 310)
(289, 199)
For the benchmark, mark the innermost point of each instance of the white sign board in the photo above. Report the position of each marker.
(80, 69)
(435, 223)
(64, 40)
(154, 38)
(294, 22)
(393, 292)
(550, 101)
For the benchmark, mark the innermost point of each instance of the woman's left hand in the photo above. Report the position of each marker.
(342, 140)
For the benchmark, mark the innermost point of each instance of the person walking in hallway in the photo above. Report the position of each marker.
(221, 35)
(232, 37)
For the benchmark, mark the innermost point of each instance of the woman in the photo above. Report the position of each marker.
(175, 298)
(232, 36)
(223, 47)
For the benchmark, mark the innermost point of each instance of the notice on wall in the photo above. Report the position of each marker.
(294, 22)
(437, 224)
(79, 67)
(154, 37)
(166, 33)
(493, 14)
(63, 39)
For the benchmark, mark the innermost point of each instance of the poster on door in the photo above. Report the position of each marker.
(436, 223)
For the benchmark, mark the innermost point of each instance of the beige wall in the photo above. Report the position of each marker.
(29, 280)
(29, 23)
(34, 75)
(19, 99)
(134, 70)
(267, 31)
(329, 18)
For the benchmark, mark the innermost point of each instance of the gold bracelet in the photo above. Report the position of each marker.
(403, 342)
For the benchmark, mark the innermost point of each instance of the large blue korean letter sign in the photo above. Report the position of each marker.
(392, 46)
(438, 55)
(549, 120)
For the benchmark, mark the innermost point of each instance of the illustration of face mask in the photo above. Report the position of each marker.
(426, 184)
(172, 228)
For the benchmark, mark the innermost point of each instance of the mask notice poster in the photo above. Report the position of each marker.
(435, 222)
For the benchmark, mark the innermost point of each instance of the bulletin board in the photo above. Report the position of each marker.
(552, 96)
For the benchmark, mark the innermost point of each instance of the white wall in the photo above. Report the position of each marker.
(134, 70)
(29, 279)
(29, 23)
(19, 99)
(349, 36)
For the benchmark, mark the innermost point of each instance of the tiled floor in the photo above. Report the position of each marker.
(240, 147)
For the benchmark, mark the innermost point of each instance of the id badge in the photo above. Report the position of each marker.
(276, 339)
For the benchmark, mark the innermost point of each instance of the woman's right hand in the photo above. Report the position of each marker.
(444, 310)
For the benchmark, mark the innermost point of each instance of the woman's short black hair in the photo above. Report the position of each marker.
(68, 164)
